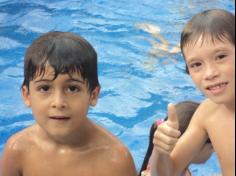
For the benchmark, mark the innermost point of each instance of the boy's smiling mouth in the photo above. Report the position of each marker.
(217, 88)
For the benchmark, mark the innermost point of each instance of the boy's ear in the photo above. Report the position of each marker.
(94, 96)
(26, 95)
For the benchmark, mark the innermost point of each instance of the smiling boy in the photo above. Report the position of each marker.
(208, 46)
(60, 84)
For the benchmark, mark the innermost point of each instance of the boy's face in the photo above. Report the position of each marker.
(59, 106)
(212, 68)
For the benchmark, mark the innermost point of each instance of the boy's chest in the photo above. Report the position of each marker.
(221, 130)
(222, 134)
(65, 165)
(57, 170)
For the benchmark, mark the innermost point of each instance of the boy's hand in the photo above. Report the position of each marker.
(167, 133)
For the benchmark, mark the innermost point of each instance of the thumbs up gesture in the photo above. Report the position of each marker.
(167, 133)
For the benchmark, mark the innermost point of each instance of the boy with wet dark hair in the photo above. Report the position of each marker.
(66, 53)
(208, 47)
(60, 84)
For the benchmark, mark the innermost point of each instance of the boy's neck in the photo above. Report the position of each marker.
(79, 139)
(230, 107)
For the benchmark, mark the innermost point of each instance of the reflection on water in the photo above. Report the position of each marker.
(160, 46)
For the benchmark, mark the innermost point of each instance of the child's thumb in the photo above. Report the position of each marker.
(172, 116)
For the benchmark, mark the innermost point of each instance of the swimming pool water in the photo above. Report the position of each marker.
(137, 79)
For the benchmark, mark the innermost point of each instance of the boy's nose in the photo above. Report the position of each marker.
(58, 100)
(211, 72)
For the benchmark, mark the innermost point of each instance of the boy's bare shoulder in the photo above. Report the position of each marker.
(104, 137)
(116, 154)
(207, 107)
(119, 160)
(19, 142)
(204, 114)
(15, 150)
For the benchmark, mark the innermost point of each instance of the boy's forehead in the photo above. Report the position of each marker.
(207, 39)
(199, 41)
(49, 72)
(209, 42)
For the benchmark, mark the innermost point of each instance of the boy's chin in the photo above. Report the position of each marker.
(224, 100)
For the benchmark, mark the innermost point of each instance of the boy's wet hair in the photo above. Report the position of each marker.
(185, 111)
(215, 24)
(66, 53)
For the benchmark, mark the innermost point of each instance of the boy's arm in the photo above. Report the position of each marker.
(169, 159)
(164, 141)
(10, 161)
(192, 141)
(161, 164)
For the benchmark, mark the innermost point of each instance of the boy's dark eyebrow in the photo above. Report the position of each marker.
(43, 80)
(221, 49)
(75, 80)
(69, 80)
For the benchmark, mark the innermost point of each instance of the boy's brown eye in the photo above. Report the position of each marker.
(44, 88)
(222, 56)
(73, 89)
(195, 65)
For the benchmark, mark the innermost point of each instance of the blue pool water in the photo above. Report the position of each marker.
(137, 79)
